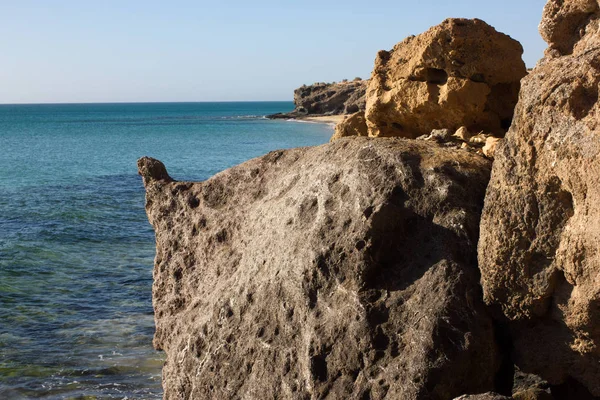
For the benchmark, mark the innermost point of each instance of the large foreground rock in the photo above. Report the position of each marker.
(539, 250)
(459, 73)
(344, 271)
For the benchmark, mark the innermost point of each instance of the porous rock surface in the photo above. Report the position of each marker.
(539, 250)
(483, 396)
(459, 73)
(344, 271)
(568, 26)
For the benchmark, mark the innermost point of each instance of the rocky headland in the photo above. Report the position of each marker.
(327, 99)
(444, 245)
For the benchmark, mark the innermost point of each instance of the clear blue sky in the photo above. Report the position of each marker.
(183, 50)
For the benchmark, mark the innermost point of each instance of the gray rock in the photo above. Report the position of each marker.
(344, 271)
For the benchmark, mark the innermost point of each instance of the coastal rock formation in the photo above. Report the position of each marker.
(459, 73)
(354, 125)
(331, 98)
(568, 26)
(346, 97)
(539, 250)
(344, 271)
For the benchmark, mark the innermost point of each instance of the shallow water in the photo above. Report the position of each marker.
(76, 249)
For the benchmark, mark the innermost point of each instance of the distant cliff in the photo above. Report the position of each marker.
(321, 98)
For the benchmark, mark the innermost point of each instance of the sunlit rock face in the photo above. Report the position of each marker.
(459, 73)
(539, 250)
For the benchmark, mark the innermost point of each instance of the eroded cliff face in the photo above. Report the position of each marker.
(344, 271)
(320, 99)
(459, 73)
(331, 98)
(539, 250)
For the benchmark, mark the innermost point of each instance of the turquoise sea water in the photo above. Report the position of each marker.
(76, 249)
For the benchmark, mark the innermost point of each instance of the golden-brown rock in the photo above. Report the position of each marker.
(353, 125)
(463, 134)
(459, 73)
(565, 23)
(539, 250)
(489, 149)
(344, 271)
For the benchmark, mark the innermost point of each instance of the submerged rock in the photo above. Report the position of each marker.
(539, 250)
(459, 73)
(344, 271)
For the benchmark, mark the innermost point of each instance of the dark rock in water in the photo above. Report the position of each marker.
(539, 250)
(289, 115)
(344, 271)
(327, 99)
(297, 113)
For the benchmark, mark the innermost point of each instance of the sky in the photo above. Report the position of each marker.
(76, 51)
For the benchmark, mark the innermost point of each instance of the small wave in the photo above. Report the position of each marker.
(302, 121)
(242, 117)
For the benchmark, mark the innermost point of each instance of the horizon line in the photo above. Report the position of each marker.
(147, 102)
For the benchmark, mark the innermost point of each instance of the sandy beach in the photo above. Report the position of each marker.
(326, 119)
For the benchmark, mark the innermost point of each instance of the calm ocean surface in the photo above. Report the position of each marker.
(76, 249)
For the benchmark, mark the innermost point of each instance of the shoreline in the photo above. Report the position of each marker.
(331, 120)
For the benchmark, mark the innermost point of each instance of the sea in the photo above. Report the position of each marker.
(76, 248)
